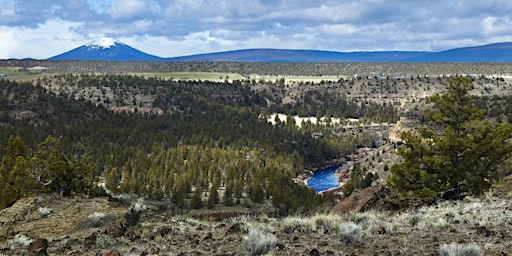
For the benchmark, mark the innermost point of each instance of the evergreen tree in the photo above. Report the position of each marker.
(16, 153)
(196, 202)
(60, 171)
(213, 197)
(228, 195)
(461, 152)
(256, 192)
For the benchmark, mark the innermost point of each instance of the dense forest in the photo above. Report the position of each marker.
(172, 139)
(246, 68)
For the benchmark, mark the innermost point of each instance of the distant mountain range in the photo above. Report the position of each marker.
(108, 49)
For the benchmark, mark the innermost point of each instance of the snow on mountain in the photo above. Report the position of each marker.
(104, 42)
(106, 49)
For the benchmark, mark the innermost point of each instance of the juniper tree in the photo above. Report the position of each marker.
(460, 151)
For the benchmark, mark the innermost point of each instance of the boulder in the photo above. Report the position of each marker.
(115, 230)
(38, 247)
(374, 197)
(90, 241)
(112, 253)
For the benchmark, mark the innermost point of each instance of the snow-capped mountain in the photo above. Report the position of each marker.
(106, 49)
(109, 49)
(103, 43)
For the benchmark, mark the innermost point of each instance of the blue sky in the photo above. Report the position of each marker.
(167, 28)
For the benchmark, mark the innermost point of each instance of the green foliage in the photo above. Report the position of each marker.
(228, 195)
(360, 177)
(460, 152)
(50, 169)
(255, 192)
(12, 185)
(186, 146)
(213, 196)
(196, 202)
(348, 188)
(60, 171)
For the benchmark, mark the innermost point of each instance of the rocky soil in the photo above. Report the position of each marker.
(99, 226)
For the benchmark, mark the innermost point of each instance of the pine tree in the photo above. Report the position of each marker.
(461, 152)
(213, 197)
(256, 192)
(16, 151)
(228, 195)
(196, 202)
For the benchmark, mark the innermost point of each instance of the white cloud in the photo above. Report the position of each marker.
(49, 39)
(34, 28)
(128, 9)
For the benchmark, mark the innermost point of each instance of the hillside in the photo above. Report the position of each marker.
(94, 227)
(500, 52)
(284, 55)
(199, 154)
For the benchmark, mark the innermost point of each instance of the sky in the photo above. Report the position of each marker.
(43, 28)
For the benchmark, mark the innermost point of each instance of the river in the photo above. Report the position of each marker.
(324, 179)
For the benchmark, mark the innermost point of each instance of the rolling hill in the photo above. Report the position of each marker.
(108, 49)
(499, 52)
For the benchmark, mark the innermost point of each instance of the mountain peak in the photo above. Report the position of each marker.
(104, 42)
(106, 49)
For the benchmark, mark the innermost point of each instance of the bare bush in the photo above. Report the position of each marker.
(455, 249)
(350, 233)
(258, 242)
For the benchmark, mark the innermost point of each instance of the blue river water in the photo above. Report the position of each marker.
(324, 179)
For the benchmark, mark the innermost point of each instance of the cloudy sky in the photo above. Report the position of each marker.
(167, 28)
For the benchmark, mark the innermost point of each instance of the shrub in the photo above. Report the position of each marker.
(350, 233)
(43, 211)
(95, 220)
(258, 242)
(414, 220)
(133, 216)
(348, 188)
(139, 207)
(124, 199)
(297, 225)
(455, 249)
(21, 240)
(96, 217)
(327, 223)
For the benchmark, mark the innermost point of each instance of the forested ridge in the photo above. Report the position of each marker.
(205, 136)
(246, 68)
(195, 143)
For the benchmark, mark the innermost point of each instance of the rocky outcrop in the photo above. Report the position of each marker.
(112, 253)
(395, 132)
(375, 197)
(22, 211)
(38, 247)
(503, 187)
